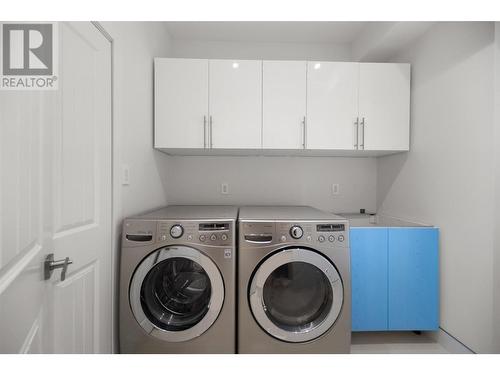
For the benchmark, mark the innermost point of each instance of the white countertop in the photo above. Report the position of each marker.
(381, 221)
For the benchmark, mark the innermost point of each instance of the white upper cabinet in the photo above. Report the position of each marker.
(284, 104)
(181, 103)
(384, 106)
(253, 106)
(235, 104)
(332, 105)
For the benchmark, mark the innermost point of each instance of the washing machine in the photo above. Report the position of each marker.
(178, 280)
(294, 281)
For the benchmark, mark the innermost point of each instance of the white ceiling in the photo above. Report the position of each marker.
(284, 32)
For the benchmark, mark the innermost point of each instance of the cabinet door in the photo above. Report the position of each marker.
(181, 103)
(413, 279)
(284, 104)
(384, 104)
(235, 103)
(369, 279)
(332, 105)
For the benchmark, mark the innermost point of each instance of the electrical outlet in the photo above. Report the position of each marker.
(335, 189)
(125, 174)
(224, 188)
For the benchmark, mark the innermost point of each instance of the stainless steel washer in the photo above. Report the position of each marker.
(177, 281)
(294, 281)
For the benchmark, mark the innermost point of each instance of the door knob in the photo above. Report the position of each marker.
(50, 265)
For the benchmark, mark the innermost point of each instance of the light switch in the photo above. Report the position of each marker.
(125, 174)
(335, 189)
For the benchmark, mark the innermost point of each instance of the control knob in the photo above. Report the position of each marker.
(296, 232)
(176, 231)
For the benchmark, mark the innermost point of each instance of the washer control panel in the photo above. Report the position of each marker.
(216, 233)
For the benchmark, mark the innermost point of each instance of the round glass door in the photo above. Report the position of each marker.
(176, 293)
(296, 295)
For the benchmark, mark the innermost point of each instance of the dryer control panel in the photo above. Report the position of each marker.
(288, 233)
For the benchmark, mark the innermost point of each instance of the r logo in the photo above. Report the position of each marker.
(27, 49)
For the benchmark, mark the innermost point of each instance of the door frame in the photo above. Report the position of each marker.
(115, 195)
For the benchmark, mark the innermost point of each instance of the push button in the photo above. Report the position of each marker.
(321, 238)
(331, 238)
(224, 237)
(213, 237)
(341, 238)
(203, 238)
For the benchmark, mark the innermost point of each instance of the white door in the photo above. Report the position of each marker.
(23, 242)
(81, 178)
(235, 103)
(181, 103)
(284, 104)
(332, 105)
(384, 106)
(56, 153)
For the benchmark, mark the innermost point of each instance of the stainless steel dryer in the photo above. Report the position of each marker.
(294, 281)
(178, 280)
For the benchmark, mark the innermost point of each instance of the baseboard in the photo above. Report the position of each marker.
(449, 342)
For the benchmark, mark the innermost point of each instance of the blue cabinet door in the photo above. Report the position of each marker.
(413, 284)
(369, 279)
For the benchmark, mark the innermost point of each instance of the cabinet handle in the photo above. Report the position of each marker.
(304, 133)
(362, 145)
(356, 126)
(211, 139)
(204, 131)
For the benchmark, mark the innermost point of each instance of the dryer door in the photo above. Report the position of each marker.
(176, 293)
(296, 295)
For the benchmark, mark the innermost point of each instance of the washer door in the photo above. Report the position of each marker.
(176, 293)
(296, 295)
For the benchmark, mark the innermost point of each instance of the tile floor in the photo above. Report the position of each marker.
(394, 343)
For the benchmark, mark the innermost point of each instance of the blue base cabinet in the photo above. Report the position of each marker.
(369, 279)
(413, 269)
(395, 279)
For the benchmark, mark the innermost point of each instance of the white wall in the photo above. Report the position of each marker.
(255, 50)
(496, 287)
(380, 40)
(447, 177)
(135, 46)
(274, 180)
(270, 180)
